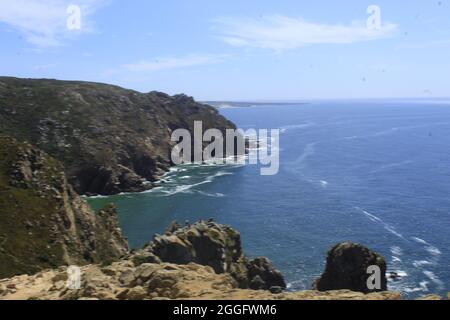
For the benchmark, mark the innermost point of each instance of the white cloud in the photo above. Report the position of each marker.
(280, 32)
(43, 23)
(174, 62)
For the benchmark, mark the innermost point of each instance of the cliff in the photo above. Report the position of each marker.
(201, 261)
(43, 222)
(109, 139)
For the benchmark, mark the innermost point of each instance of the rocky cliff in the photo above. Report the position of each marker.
(201, 272)
(109, 139)
(43, 222)
(202, 261)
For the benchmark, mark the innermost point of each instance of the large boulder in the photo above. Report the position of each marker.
(263, 276)
(347, 268)
(218, 246)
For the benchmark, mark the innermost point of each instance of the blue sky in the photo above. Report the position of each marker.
(235, 50)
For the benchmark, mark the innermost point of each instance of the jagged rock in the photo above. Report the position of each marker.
(109, 139)
(346, 268)
(256, 283)
(276, 290)
(261, 267)
(43, 222)
(161, 281)
(218, 246)
(205, 243)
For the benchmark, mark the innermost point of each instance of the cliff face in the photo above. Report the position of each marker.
(124, 281)
(216, 268)
(43, 222)
(109, 139)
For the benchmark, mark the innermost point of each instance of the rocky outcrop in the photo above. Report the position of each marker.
(43, 222)
(125, 281)
(346, 268)
(109, 139)
(214, 245)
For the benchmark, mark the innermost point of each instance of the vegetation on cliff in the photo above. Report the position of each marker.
(109, 139)
(43, 222)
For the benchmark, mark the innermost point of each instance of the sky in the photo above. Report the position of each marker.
(234, 50)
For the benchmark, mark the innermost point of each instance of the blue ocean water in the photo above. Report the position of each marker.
(377, 173)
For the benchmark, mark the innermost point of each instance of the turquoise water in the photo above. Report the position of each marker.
(377, 173)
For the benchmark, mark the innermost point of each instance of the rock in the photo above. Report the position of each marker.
(143, 256)
(264, 269)
(218, 246)
(204, 243)
(276, 290)
(394, 276)
(174, 226)
(430, 297)
(346, 268)
(257, 283)
(135, 293)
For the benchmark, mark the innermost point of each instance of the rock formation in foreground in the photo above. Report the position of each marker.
(346, 268)
(142, 274)
(124, 280)
(206, 263)
(217, 246)
(109, 139)
(43, 222)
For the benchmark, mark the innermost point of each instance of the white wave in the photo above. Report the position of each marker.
(213, 195)
(392, 165)
(421, 263)
(428, 247)
(401, 273)
(396, 259)
(324, 183)
(420, 240)
(433, 251)
(430, 275)
(397, 250)
(296, 126)
(186, 188)
(423, 288)
(386, 226)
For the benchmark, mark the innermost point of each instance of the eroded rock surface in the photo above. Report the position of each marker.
(109, 139)
(43, 222)
(218, 246)
(125, 281)
(346, 268)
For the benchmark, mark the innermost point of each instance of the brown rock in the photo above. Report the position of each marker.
(346, 268)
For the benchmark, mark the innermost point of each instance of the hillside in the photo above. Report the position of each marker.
(43, 222)
(109, 139)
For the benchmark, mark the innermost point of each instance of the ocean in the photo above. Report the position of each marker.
(372, 172)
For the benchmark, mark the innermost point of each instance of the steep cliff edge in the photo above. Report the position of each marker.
(43, 222)
(109, 139)
(206, 262)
